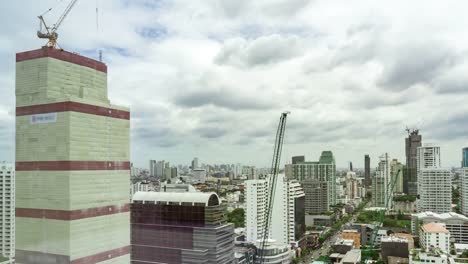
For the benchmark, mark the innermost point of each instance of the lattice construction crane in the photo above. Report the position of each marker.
(50, 33)
(272, 181)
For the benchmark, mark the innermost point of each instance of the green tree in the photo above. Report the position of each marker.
(237, 217)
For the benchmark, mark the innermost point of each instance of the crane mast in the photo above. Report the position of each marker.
(51, 32)
(272, 181)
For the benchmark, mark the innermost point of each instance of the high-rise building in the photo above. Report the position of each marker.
(72, 162)
(351, 185)
(7, 212)
(318, 179)
(412, 142)
(195, 163)
(367, 176)
(434, 182)
(287, 217)
(435, 190)
(428, 156)
(381, 194)
(396, 171)
(152, 168)
(464, 191)
(175, 227)
(465, 157)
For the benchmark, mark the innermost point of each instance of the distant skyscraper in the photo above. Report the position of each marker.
(412, 142)
(381, 194)
(367, 176)
(318, 181)
(72, 162)
(152, 168)
(195, 163)
(434, 182)
(465, 158)
(351, 185)
(288, 216)
(175, 227)
(7, 212)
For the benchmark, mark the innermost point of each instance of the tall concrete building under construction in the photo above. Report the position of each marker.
(72, 162)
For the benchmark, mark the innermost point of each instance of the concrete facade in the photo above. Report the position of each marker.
(412, 142)
(72, 162)
(7, 212)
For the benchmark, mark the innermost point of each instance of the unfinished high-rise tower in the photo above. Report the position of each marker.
(72, 162)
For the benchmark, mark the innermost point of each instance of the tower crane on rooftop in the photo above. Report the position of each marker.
(50, 32)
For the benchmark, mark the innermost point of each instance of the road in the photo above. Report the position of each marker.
(325, 248)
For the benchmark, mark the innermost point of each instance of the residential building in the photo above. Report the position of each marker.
(412, 142)
(287, 224)
(456, 224)
(351, 185)
(381, 194)
(434, 235)
(367, 176)
(152, 167)
(435, 190)
(463, 187)
(72, 162)
(178, 227)
(434, 182)
(318, 179)
(7, 212)
(396, 171)
(352, 257)
(428, 156)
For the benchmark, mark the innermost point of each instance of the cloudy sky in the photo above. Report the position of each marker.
(209, 78)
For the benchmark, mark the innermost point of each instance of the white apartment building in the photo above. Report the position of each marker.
(428, 156)
(435, 190)
(456, 224)
(7, 212)
(434, 236)
(463, 185)
(433, 257)
(434, 182)
(287, 216)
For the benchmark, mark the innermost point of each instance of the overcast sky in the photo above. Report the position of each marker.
(210, 78)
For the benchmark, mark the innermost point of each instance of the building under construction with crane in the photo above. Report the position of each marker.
(72, 160)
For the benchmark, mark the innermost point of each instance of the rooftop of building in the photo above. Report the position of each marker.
(352, 256)
(394, 239)
(348, 242)
(434, 228)
(460, 246)
(208, 199)
(444, 216)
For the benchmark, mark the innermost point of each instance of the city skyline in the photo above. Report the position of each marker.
(201, 90)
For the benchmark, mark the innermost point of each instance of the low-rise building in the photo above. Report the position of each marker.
(273, 253)
(352, 257)
(456, 224)
(435, 236)
(394, 246)
(433, 257)
(353, 235)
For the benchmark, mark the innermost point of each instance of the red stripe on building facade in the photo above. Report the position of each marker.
(62, 55)
(71, 165)
(72, 106)
(71, 215)
(106, 255)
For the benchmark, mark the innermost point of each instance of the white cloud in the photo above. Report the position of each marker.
(209, 78)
